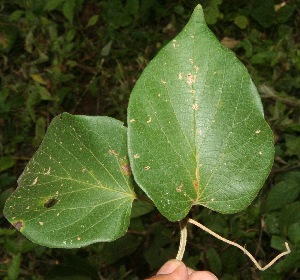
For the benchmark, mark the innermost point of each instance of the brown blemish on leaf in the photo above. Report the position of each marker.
(196, 185)
(136, 156)
(41, 223)
(196, 68)
(180, 75)
(258, 131)
(126, 169)
(113, 152)
(147, 167)
(132, 120)
(164, 82)
(18, 225)
(149, 120)
(83, 170)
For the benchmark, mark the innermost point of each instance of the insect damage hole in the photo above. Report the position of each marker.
(50, 202)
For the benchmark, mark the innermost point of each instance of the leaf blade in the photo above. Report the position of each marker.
(77, 189)
(196, 132)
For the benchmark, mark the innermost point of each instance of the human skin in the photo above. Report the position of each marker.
(177, 270)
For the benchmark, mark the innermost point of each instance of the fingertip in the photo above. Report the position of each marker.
(170, 266)
(202, 275)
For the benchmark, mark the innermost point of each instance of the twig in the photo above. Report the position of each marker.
(240, 247)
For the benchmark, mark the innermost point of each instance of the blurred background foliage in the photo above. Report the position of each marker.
(84, 57)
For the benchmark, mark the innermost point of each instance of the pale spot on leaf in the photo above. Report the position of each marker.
(195, 107)
(35, 181)
(179, 189)
(191, 79)
(113, 152)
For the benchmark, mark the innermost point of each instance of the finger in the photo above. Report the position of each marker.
(190, 270)
(180, 272)
(202, 275)
(169, 267)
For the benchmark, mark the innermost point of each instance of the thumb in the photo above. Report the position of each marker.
(173, 269)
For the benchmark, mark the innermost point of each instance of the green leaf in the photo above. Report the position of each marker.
(292, 145)
(124, 246)
(77, 188)
(8, 36)
(68, 9)
(277, 242)
(241, 21)
(140, 208)
(212, 12)
(197, 133)
(6, 163)
(51, 5)
(289, 216)
(14, 267)
(214, 260)
(93, 20)
(285, 13)
(263, 12)
(284, 192)
(294, 233)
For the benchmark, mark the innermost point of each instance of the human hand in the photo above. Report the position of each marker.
(177, 270)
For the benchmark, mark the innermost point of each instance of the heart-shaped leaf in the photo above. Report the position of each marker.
(197, 133)
(77, 188)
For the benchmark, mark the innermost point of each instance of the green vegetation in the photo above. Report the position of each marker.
(84, 57)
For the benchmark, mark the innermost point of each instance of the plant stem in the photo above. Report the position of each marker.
(183, 238)
(240, 247)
